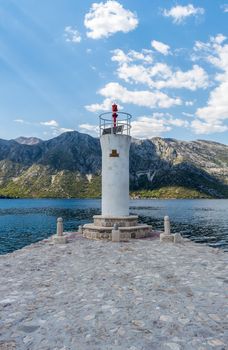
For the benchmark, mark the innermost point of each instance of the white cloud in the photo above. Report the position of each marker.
(157, 124)
(21, 121)
(55, 128)
(157, 75)
(90, 129)
(72, 35)
(218, 39)
(105, 19)
(134, 74)
(144, 55)
(25, 122)
(138, 67)
(217, 106)
(106, 105)
(51, 123)
(180, 13)
(209, 51)
(215, 112)
(225, 7)
(190, 115)
(202, 127)
(189, 103)
(119, 56)
(161, 76)
(144, 127)
(117, 92)
(160, 47)
(193, 79)
(147, 127)
(178, 122)
(61, 130)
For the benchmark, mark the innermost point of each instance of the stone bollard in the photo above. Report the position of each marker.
(59, 238)
(80, 230)
(177, 238)
(115, 233)
(167, 225)
(166, 236)
(59, 230)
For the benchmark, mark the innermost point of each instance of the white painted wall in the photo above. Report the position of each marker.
(115, 175)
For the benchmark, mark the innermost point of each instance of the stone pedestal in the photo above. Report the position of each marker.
(115, 236)
(173, 238)
(177, 238)
(166, 238)
(128, 228)
(59, 239)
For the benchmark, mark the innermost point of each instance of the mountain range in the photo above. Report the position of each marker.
(70, 166)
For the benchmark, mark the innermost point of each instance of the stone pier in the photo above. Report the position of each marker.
(93, 295)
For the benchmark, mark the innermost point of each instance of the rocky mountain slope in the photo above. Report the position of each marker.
(70, 166)
(28, 140)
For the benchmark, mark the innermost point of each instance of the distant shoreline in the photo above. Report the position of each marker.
(165, 192)
(131, 198)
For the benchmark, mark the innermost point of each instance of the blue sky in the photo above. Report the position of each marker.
(62, 63)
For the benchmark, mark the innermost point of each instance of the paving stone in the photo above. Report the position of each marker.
(96, 295)
(7, 345)
(28, 329)
(215, 342)
(173, 346)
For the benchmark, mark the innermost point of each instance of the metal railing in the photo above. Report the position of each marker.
(122, 125)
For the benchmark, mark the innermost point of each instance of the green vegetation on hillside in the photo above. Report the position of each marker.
(40, 182)
(170, 192)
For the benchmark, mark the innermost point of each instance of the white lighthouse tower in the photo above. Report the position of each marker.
(115, 142)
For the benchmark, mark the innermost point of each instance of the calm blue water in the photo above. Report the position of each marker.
(25, 221)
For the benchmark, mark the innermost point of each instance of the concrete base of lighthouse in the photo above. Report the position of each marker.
(128, 227)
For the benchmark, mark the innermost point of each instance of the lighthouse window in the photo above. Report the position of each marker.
(114, 153)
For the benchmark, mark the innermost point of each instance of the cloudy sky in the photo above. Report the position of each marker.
(62, 63)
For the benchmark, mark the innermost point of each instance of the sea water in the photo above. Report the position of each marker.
(25, 221)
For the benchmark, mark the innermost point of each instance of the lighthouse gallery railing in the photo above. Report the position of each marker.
(123, 124)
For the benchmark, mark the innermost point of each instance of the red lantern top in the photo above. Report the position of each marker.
(114, 108)
(114, 114)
